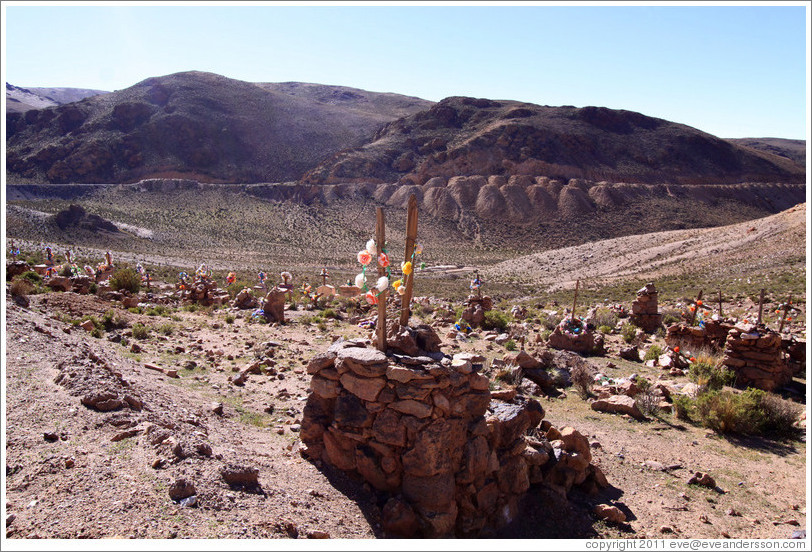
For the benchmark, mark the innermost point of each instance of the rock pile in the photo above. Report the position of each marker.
(644, 309)
(245, 300)
(475, 308)
(574, 335)
(755, 354)
(453, 460)
(205, 291)
(711, 335)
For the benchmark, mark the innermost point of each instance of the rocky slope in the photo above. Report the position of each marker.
(20, 100)
(468, 136)
(198, 125)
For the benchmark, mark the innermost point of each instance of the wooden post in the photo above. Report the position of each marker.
(324, 276)
(408, 281)
(13, 252)
(787, 307)
(380, 236)
(575, 299)
(760, 307)
(696, 307)
(721, 316)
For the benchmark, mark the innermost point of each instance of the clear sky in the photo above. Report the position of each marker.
(733, 70)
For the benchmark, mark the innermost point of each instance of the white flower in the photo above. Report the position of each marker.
(360, 280)
(372, 248)
(383, 283)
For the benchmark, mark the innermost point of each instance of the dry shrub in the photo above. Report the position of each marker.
(21, 288)
(752, 412)
(582, 375)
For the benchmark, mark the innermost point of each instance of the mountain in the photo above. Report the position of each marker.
(196, 125)
(791, 149)
(462, 136)
(20, 100)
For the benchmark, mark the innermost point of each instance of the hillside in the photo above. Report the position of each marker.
(791, 149)
(467, 136)
(196, 125)
(20, 100)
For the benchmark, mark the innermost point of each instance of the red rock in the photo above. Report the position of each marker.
(364, 388)
(618, 404)
(609, 513)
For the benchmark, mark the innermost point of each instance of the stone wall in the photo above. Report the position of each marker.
(644, 309)
(755, 354)
(453, 460)
(712, 335)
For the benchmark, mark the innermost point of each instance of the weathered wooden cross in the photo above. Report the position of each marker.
(324, 275)
(697, 304)
(408, 257)
(380, 236)
(575, 299)
(786, 307)
(760, 307)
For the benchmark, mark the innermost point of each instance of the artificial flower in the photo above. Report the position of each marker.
(383, 260)
(364, 257)
(371, 298)
(406, 267)
(360, 280)
(383, 283)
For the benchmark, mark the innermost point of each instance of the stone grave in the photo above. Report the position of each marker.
(754, 353)
(645, 313)
(425, 429)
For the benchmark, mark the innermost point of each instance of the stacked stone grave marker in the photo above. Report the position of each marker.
(573, 334)
(645, 312)
(453, 460)
(754, 353)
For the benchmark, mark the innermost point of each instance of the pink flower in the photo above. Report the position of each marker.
(383, 260)
(364, 257)
(371, 298)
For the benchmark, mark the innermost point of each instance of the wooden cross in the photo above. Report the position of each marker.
(13, 251)
(380, 236)
(697, 304)
(721, 316)
(324, 275)
(109, 258)
(408, 279)
(787, 307)
(575, 299)
(67, 256)
(760, 307)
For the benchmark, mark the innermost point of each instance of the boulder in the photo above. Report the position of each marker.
(618, 404)
(274, 306)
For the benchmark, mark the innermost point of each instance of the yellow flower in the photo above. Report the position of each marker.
(406, 267)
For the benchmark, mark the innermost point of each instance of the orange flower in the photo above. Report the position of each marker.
(676, 349)
(364, 257)
(699, 302)
(371, 298)
(693, 359)
(383, 260)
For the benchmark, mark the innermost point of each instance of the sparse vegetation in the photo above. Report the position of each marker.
(140, 331)
(126, 279)
(751, 412)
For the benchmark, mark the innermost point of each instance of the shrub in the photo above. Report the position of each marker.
(190, 308)
(166, 329)
(21, 288)
(710, 376)
(605, 317)
(31, 276)
(126, 279)
(330, 313)
(112, 319)
(140, 331)
(628, 331)
(549, 321)
(230, 318)
(604, 329)
(752, 412)
(510, 345)
(671, 317)
(96, 332)
(495, 320)
(582, 375)
(647, 402)
(653, 353)
(683, 405)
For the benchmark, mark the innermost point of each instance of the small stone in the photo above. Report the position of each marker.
(189, 502)
(50, 436)
(610, 513)
(217, 408)
(318, 535)
(70, 462)
(666, 529)
(180, 489)
(703, 479)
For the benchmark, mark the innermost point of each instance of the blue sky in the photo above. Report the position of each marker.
(729, 69)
